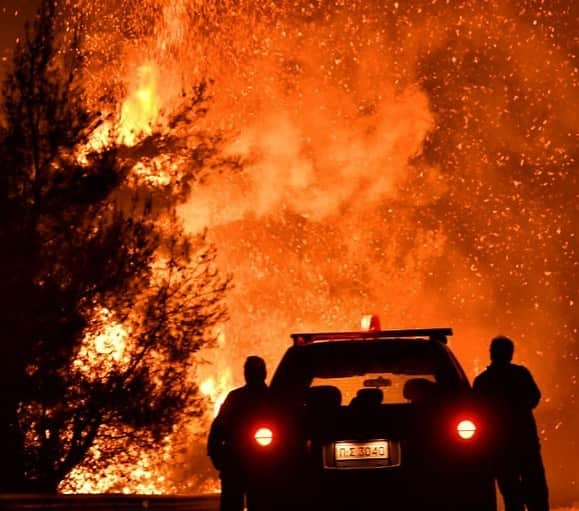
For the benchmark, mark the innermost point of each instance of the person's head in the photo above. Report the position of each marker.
(502, 349)
(254, 370)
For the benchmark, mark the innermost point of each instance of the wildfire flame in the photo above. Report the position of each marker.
(217, 390)
(141, 108)
(109, 346)
(413, 159)
(216, 376)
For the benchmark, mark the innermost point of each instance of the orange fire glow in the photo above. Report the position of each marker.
(140, 108)
(109, 346)
(414, 159)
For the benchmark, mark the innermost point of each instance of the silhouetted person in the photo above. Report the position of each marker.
(511, 394)
(227, 441)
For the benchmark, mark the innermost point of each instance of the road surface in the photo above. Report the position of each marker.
(124, 503)
(109, 503)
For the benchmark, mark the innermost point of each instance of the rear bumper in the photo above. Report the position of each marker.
(392, 488)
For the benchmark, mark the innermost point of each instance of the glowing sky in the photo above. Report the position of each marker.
(417, 158)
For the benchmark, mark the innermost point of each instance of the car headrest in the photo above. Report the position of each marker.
(324, 396)
(418, 390)
(368, 397)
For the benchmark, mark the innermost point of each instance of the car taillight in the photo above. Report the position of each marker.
(264, 436)
(466, 429)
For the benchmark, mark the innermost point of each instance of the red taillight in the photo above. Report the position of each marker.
(466, 429)
(264, 436)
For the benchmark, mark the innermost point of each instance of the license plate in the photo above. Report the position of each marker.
(373, 450)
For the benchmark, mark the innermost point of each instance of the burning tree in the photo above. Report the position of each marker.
(104, 299)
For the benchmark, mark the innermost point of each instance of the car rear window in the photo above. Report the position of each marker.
(392, 388)
(353, 365)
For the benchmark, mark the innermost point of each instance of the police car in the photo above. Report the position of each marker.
(372, 419)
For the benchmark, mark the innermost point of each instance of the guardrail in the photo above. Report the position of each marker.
(112, 502)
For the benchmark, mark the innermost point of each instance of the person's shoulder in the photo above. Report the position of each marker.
(233, 396)
(483, 374)
(481, 378)
(521, 371)
(237, 392)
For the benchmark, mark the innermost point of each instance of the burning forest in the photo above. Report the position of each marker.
(315, 160)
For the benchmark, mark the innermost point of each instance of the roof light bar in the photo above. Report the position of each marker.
(433, 334)
(370, 322)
